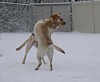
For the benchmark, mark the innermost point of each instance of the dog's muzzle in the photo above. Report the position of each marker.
(63, 23)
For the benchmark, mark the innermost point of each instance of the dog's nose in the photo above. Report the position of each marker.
(64, 23)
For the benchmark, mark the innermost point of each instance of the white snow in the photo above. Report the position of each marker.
(81, 63)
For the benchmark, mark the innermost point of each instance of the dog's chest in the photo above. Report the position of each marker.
(50, 30)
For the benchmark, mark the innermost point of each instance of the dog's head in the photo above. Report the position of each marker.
(57, 21)
(62, 22)
(59, 24)
(56, 16)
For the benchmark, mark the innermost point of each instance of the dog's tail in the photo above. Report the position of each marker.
(22, 45)
(59, 49)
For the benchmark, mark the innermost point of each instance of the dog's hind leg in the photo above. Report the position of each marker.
(40, 54)
(39, 62)
(50, 53)
(43, 60)
(28, 47)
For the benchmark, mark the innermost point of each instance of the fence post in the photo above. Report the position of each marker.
(51, 8)
(72, 10)
(93, 15)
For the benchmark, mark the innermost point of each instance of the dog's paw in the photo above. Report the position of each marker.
(23, 62)
(63, 51)
(17, 49)
(36, 69)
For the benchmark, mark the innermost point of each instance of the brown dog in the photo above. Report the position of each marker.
(42, 31)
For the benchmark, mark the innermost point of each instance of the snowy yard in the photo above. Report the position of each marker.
(81, 63)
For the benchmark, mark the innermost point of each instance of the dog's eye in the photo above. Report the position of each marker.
(58, 16)
(61, 19)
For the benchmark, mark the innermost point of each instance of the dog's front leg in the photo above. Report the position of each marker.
(51, 68)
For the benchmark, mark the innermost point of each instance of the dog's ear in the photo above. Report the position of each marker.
(59, 13)
(55, 16)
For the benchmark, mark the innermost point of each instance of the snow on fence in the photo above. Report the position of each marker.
(86, 16)
(15, 17)
(22, 17)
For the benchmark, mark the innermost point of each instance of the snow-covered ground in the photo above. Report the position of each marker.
(81, 63)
